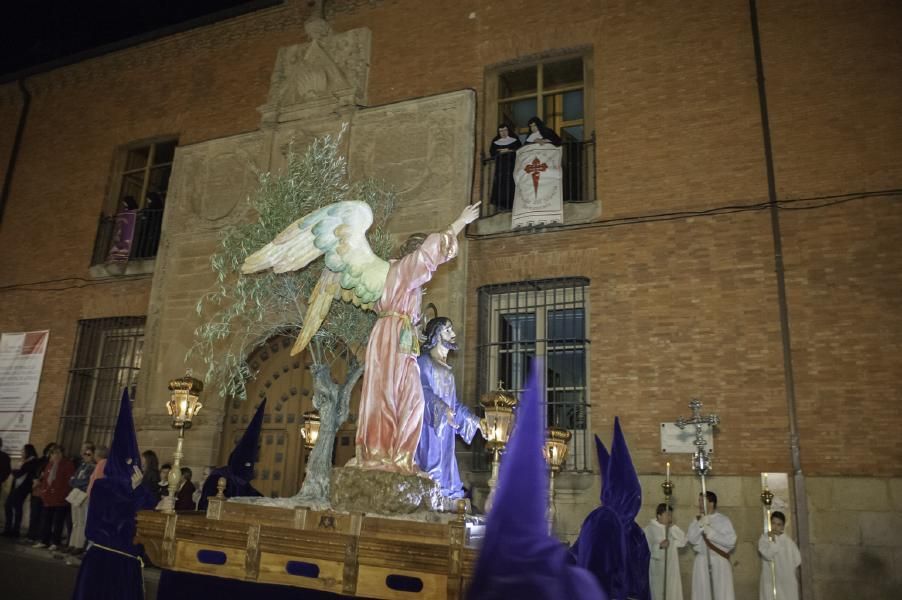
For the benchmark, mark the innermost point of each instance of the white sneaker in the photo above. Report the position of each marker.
(51, 547)
(39, 545)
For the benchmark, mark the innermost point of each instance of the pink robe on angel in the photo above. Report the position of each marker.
(391, 402)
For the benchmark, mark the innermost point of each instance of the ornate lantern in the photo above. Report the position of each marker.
(555, 451)
(556, 446)
(183, 405)
(499, 408)
(184, 400)
(310, 430)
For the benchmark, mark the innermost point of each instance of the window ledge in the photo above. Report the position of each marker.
(132, 267)
(574, 213)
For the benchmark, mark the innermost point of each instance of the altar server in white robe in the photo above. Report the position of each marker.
(778, 549)
(662, 542)
(716, 531)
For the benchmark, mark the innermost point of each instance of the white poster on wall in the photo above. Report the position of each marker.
(21, 362)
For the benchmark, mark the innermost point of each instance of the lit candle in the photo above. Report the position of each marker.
(668, 471)
(764, 481)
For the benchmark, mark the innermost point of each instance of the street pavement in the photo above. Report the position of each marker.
(27, 573)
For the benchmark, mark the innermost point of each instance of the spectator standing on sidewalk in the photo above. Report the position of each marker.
(78, 498)
(53, 489)
(23, 478)
(36, 505)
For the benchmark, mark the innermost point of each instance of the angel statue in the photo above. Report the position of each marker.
(391, 402)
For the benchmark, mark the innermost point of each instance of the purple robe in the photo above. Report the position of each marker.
(123, 236)
(435, 452)
(611, 545)
(112, 565)
(519, 559)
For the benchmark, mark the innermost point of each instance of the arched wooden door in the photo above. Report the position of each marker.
(288, 386)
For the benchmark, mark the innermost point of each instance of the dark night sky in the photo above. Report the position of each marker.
(37, 31)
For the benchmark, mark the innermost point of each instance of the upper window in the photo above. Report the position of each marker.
(521, 321)
(131, 231)
(145, 177)
(557, 91)
(552, 91)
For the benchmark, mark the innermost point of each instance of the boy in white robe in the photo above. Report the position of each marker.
(661, 543)
(778, 550)
(712, 535)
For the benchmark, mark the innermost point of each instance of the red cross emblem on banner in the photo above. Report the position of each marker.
(535, 168)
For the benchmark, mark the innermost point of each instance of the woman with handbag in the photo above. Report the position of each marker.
(23, 477)
(78, 498)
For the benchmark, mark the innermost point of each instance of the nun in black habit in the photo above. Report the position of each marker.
(539, 133)
(504, 150)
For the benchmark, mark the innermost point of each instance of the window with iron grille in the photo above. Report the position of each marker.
(107, 358)
(545, 319)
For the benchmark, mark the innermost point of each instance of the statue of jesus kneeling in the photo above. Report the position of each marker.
(444, 416)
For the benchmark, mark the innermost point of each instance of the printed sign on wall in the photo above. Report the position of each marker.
(21, 362)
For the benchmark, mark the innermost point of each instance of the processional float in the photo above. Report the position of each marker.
(425, 549)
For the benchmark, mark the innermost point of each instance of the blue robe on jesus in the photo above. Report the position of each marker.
(435, 452)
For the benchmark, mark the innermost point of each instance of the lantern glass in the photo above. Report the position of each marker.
(310, 431)
(499, 417)
(184, 400)
(556, 446)
(498, 421)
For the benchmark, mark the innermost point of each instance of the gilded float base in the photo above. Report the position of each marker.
(345, 552)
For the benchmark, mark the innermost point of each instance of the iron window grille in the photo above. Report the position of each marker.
(107, 358)
(547, 319)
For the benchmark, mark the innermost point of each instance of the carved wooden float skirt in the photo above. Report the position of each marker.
(345, 553)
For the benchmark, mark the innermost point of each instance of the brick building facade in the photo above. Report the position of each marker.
(676, 244)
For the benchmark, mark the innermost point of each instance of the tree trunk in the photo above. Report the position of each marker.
(332, 400)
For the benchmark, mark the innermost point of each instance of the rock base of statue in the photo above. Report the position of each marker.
(383, 492)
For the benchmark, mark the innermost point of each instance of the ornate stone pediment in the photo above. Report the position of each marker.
(319, 77)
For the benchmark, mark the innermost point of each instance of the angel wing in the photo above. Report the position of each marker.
(353, 271)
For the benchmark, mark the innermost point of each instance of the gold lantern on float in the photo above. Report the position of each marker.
(183, 405)
(184, 400)
(497, 425)
(310, 429)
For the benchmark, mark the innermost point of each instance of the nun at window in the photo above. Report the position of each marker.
(504, 150)
(539, 133)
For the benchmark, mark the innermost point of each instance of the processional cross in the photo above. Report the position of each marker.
(701, 463)
(536, 168)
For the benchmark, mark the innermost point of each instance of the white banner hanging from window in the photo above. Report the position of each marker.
(537, 178)
(21, 363)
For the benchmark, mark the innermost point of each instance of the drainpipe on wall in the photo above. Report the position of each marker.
(17, 142)
(800, 503)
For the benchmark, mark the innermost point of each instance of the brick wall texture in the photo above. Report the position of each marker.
(678, 308)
